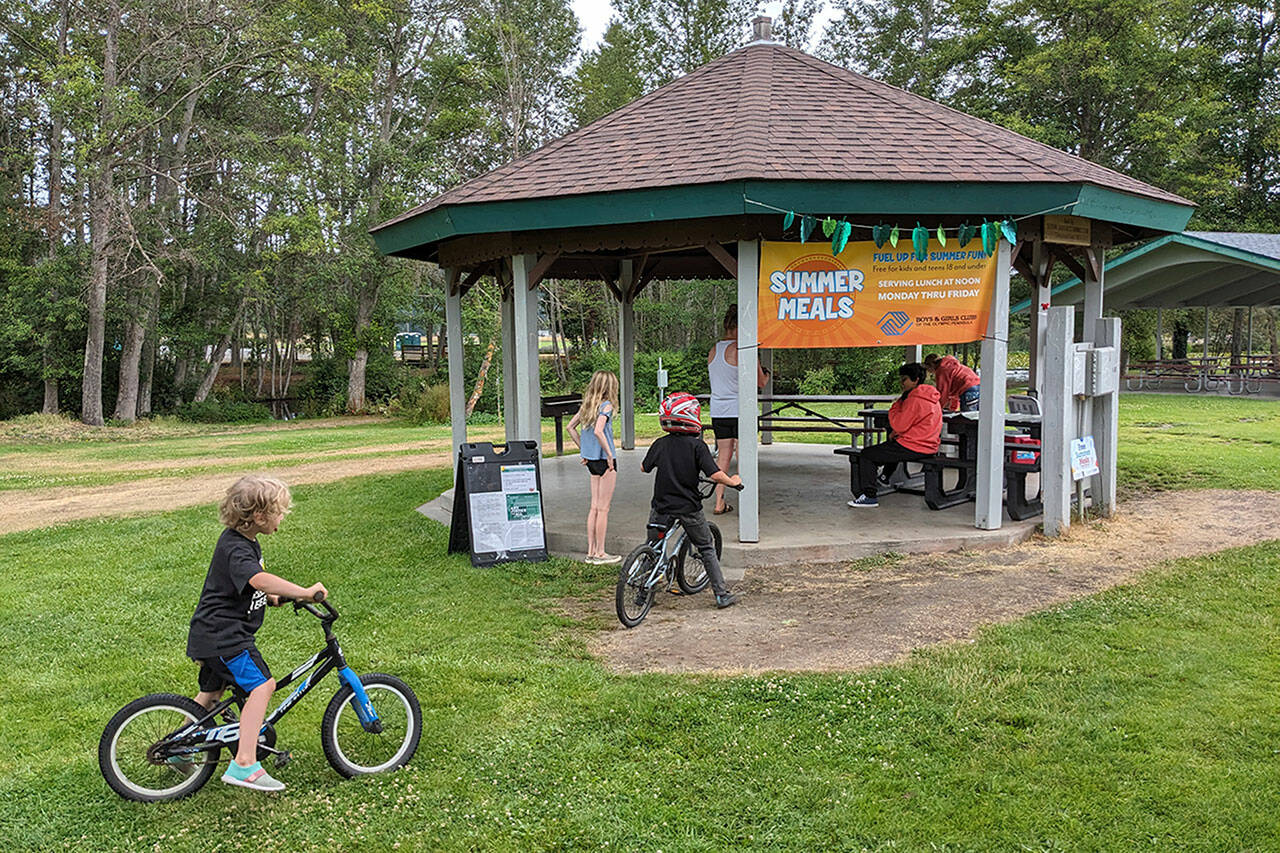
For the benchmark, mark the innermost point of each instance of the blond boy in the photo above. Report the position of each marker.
(229, 613)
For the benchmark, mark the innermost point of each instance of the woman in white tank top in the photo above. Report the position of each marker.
(722, 369)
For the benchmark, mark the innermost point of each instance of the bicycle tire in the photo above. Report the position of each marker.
(691, 573)
(633, 596)
(141, 724)
(355, 752)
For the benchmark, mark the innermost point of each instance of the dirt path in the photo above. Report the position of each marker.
(826, 618)
(32, 508)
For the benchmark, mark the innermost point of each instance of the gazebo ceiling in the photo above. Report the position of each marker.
(1192, 270)
(707, 157)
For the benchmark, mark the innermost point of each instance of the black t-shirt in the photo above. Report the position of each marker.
(230, 611)
(678, 459)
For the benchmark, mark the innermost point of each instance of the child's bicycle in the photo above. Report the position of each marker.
(653, 565)
(166, 746)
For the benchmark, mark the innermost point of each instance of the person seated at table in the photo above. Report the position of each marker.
(957, 384)
(915, 431)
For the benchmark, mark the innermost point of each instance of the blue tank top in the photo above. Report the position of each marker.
(591, 448)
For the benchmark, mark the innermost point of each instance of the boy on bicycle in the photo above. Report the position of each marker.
(230, 611)
(678, 457)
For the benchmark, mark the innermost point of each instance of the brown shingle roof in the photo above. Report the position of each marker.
(770, 112)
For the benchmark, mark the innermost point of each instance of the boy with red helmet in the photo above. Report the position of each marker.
(677, 458)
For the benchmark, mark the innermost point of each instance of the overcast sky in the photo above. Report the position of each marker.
(594, 17)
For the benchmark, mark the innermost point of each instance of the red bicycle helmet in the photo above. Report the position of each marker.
(681, 413)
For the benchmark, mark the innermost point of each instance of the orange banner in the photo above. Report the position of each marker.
(869, 297)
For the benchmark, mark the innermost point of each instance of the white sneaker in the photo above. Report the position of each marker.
(608, 559)
(253, 777)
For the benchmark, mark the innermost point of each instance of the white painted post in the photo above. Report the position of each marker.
(748, 398)
(1092, 293)
(510, 399)
(1057, 427)
(528, 410)
(1106, 424)
(989, 512)
(453, 333)
(1041, 294)
(627, 354)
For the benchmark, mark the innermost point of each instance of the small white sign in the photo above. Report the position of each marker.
(519, 478)
(1084, 460)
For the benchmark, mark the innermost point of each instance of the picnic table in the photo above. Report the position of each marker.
(962, 434)
(792, 413)
(557, 407)
(1202, 373)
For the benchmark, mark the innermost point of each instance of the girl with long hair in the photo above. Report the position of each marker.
(592, 430)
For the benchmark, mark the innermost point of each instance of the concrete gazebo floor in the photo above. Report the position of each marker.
(803, 516)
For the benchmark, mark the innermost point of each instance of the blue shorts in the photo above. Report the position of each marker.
(243, 671)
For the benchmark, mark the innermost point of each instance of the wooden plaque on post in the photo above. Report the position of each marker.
(1068, 230)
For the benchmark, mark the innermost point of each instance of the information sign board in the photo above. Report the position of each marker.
(497, 504)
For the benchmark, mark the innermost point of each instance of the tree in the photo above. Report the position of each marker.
(674, 37)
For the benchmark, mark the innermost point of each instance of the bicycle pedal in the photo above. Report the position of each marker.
(282, 758)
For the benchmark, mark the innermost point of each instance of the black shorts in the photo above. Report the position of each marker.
(242, 671)
(597, 467)
(724, 427)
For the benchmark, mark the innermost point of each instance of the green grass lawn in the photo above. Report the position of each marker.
(1147, 717)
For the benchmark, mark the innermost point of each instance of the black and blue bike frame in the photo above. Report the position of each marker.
(199, 736)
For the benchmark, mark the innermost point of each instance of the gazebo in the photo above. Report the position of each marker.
(1194, 269)
(687, 181)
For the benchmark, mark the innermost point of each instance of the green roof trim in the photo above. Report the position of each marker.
(1230, 252)
(875, 198)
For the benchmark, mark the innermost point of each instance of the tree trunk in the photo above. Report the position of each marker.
(50, 406)
(130, 361)
(480, 377)
(365, 303)
(215, 362)
(101, 189)
(47, 361)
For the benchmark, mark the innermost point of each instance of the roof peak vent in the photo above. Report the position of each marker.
(762, 29)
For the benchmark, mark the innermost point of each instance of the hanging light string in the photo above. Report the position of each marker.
(839, 230)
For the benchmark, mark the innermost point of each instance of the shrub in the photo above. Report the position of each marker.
(223, 412)
(421, 402)
(819, 382)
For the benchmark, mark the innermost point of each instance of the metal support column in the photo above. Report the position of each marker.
(453, 332)
(989, 512)
(748, 398)
(528, 404)
(1092, 291)
(627, 354)
(1041, 295)
(1058, 425)
(1105, 425)
(510, 400)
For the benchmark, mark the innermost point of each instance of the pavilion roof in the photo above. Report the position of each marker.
(770, 113)
(1193, 269)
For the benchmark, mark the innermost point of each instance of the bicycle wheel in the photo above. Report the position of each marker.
(634, 595)
(355, 752)
(691, 572)
(126, 750)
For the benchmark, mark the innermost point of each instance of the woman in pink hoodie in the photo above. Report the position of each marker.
(915, 431)
(957, 384)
